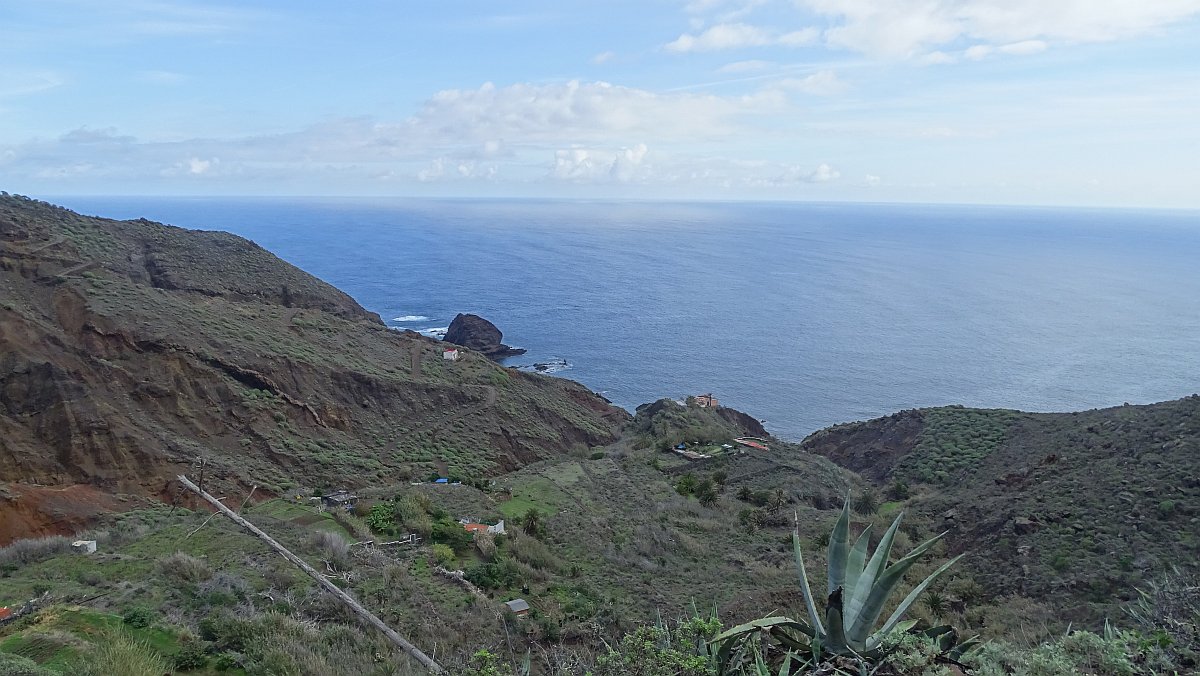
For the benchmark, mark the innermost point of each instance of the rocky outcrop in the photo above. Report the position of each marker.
(477, 333)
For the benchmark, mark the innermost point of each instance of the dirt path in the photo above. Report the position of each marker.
(414, 359)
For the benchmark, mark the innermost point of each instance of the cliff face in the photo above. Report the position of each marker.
(129, 350)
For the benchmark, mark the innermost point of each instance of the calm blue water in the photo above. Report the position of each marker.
(804, 315)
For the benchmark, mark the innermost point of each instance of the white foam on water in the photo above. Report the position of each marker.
(438, 332)
(411, 318)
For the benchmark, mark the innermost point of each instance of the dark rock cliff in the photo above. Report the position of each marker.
(477, 333)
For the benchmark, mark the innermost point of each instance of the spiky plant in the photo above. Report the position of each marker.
(857, 592)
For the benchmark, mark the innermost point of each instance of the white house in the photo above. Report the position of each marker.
(450, 354)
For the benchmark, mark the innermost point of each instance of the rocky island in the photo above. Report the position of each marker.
(477, 333)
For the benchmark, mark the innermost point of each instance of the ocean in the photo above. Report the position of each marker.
(801, 314)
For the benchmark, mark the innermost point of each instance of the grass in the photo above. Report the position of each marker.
(537, 492)
(60, 635)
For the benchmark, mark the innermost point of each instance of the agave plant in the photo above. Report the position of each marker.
(857, 593)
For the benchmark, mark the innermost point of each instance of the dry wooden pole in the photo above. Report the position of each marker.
(342, 596)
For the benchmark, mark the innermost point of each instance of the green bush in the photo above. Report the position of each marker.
(191, 656)
(443, 555)
(381, 519)
(502, 573)
(452, 534)
(16, 665)
(661, 651)
(138, 618)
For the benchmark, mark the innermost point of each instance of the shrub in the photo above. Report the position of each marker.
(706, 493)
(686, 484)
(533, 552)
(184, 568)
(138, 618)
(16, 665)
(381, 519)
(452, 534)
(597, 455)
(191, 656)
(333, 548)
(443, 555)
(227, 662)
(503, 573)
(33, 550)
(867, 503)
(658, 649)
(485, 543)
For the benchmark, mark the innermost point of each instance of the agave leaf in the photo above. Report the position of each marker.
(760, 665)
(958, 652)
(944, 636)
(912, 596)
(762, 623)
(901, 627)
(809, 602)
(836, 637)
(862, 589)
(839, 548)
(783, 634)
(785, 668)
(857, 560)
(883, 588)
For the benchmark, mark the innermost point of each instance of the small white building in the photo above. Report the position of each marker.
(450, 354)
(84, 546)
(498, 529)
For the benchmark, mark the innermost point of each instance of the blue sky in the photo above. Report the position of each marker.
(1076, 102)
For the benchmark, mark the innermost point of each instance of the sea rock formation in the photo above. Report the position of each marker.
(480, 335)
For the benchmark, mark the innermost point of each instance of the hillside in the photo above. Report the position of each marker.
(1073, 509)
(130, 350)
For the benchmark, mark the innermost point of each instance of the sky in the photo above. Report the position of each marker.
(1059, 102)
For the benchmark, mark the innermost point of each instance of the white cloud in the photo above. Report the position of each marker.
(937, 58)
(872, 180)
(977, 52)
(581, 113)
(603, 57)
(909, 28)
(821, 83)
(1024, 47)
(592, 165)
(197, 166)
(445, 169)
(522, 134)
(736, 35)
(637, 165)
(749, 66)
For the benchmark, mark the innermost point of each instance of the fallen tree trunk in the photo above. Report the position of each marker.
(342, 596)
